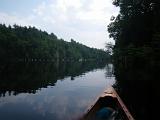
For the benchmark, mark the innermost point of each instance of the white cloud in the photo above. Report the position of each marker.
(12, 19)
(84, 21)
(99, 12)
(64, 5)
(40, 9)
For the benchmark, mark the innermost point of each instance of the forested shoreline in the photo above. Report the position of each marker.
(19, 43)
(136, 31)
(136, 55)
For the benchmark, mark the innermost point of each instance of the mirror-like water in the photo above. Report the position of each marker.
(50, 91)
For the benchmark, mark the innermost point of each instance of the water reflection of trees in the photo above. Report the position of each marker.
(30, 77)
(138, 86)
(109, 70)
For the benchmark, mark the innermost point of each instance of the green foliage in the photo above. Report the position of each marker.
(30, 44)
(136, 30)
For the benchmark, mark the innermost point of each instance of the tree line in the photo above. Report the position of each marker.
(136, 31)
(136, 54)
(19, 43)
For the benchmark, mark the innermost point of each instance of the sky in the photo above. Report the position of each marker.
(85, 21)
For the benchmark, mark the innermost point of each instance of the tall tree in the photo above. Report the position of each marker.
(136, 29)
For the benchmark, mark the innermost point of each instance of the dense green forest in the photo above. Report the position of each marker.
(136, 31)
(136, 54)
(19, 43)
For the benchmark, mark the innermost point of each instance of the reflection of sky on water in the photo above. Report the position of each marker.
(68, 99)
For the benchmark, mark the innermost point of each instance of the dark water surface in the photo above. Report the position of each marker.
(138, 84)
(47, 91)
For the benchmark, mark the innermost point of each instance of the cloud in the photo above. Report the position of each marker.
(84, 21)
(64, 5)
(40, 9)
(12, 19)
(95, 11)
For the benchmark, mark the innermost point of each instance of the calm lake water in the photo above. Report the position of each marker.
(43, 91)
